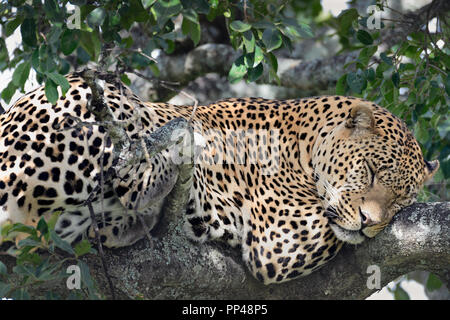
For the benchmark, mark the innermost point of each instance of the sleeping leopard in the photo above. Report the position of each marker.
(289, 181)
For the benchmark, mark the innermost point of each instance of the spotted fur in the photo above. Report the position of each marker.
(287, 181)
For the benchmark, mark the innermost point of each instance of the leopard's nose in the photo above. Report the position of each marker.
(365, 219)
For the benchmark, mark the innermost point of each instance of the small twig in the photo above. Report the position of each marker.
(393, 10)
(102, 179)
(162, 82)
(100, 247)
(145, 55)
(194, 109)
(141, 219)
(245, 11)
(80, 123)
(167, 85)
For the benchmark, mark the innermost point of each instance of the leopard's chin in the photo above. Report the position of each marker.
(349, 236)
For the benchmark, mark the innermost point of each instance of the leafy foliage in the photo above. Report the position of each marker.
(411, 79)
(257, 27)
(42, 257)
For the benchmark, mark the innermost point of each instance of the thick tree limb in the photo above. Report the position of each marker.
(177, 268)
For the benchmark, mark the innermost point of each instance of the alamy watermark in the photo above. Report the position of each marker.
(74, 280)
(233, 147)
(374, 17)
(374, 280)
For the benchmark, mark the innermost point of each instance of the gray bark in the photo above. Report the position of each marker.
(177, 268)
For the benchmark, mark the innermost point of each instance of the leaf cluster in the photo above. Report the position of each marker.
(411, 79)
(42, 257)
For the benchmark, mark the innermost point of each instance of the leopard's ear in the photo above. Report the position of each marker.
(432, 167)
(361, 120)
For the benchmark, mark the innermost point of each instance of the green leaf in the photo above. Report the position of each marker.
(271, 39)
(35, 62)
(50, 91)
(364, 37)
(357, 81)
(341, 86)
(60, 243)
(249, 41)
(400, 293)
(296, 29)
(433, 282)
(50, 295)
(213, 3)
(238, 70)
(60, 80)
(20, 294)
(4, 55)
(19, 227)
(4, 289)
(272, 61)
(139, 60)
(192, 29)
(386, 59)
(258, 55)
(132, 11)
(305, 30)
(255, 73)
(240, 26)
(21, 73)
(287, 43)
(82, 248)
(12, 25)
(191, 15)
(421, 130)
(3, 270)
(28, 31)
(86, 278)
(227, 13)
(70, 40)
(29, 257)
(53, 219)
(447, 84)
(29, 242)
(252, 59)
(24, 270)
(200, 6)
(396, 79)
(42, 226)
(124, 78)
(263, 24)
(366, 53)
(154, 69)
(370, 74)
(147, 3)
(51, 9)
(345, 20)
(96, 17)
(91, 44)
(164, 9)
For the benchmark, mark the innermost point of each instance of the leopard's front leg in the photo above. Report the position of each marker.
(142, 188)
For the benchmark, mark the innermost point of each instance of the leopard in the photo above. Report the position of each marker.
(289, 182)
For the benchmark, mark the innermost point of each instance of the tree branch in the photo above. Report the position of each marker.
(176, 268)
